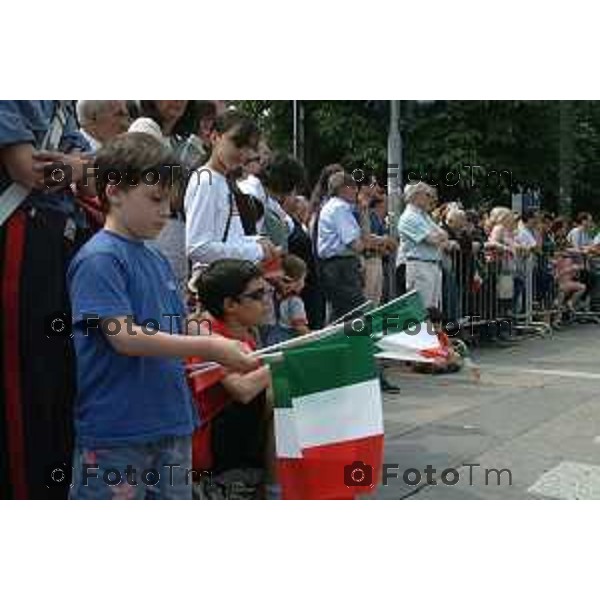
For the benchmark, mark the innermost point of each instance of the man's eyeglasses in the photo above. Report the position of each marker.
(257, 295)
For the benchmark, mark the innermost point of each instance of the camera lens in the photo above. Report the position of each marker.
(357, 475)
(58, 325)
(58, 475)
(358, 325)
(57, 175)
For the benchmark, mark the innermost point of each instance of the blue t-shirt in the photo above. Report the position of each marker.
(125, 399)
(26, 122)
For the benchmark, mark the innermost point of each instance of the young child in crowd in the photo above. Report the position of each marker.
(570, 290)
(290, 306)
(134, 411)
(232, 441)
(286, 315)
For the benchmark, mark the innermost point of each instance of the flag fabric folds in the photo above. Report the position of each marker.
(328, 419)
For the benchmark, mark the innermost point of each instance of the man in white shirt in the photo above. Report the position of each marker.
(214, 228)
(580, 237)
(525, 236)
(102, 120)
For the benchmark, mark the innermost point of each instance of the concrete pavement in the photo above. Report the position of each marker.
(535, 412)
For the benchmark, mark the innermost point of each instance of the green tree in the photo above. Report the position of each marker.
(443, 138)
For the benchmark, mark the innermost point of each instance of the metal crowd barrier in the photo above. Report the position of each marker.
(590, 274)
(481, 288)
(477, 288)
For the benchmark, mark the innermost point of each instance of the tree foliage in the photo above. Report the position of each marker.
(483, 141)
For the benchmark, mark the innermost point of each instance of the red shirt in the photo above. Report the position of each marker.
(210, 402)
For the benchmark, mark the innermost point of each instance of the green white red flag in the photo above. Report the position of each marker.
(328, 418)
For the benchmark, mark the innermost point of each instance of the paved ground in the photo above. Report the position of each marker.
(535, 411)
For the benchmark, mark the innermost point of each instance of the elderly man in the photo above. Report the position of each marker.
(339, 244)
(102, 120)
(340, 241)
(422, 242)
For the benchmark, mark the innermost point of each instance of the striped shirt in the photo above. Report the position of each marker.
(414, 226)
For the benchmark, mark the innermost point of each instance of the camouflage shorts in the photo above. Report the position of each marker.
(236, 484)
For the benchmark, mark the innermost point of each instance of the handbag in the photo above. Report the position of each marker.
(505, 286)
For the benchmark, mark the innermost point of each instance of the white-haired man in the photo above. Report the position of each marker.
(102, 120)
(422, 242)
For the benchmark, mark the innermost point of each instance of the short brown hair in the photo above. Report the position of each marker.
(128, 158)
(293, 266)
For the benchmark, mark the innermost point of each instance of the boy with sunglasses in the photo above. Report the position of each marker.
(231, 443)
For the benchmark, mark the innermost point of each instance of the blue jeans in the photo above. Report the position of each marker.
(155, 470)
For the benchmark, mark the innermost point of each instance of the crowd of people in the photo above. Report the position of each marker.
(235, 243)
(486, 264)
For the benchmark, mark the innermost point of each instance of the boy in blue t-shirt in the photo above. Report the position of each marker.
(134, 413)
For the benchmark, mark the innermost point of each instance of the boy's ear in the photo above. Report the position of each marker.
(112, 196)
(229, 304)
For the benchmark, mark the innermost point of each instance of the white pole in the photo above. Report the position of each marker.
(394, 158)
(394, 184)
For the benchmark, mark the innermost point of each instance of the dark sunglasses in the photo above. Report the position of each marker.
(257, 295)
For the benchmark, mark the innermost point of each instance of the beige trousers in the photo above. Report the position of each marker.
(373, 279)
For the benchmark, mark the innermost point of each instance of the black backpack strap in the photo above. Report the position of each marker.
(229, 217)
(246, 206)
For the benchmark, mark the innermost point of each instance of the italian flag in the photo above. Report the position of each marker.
(401, 332)
(328, 419)
(419, 345)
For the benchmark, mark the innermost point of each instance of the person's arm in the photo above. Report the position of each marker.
(301, 328)
(496, 240)
(295, 313)
(244, 388)
(418, 228)
(437, 237)
(130, 340)
(81, 167)
(26, 165)
(357, 245)
(16, 146)
(20, 165)
(206, 220)
(98, 289)
(349, 230)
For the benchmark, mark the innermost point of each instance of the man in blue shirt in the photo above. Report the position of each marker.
(340, 240)
(339, 243)
(134, 416)
(37, 242)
